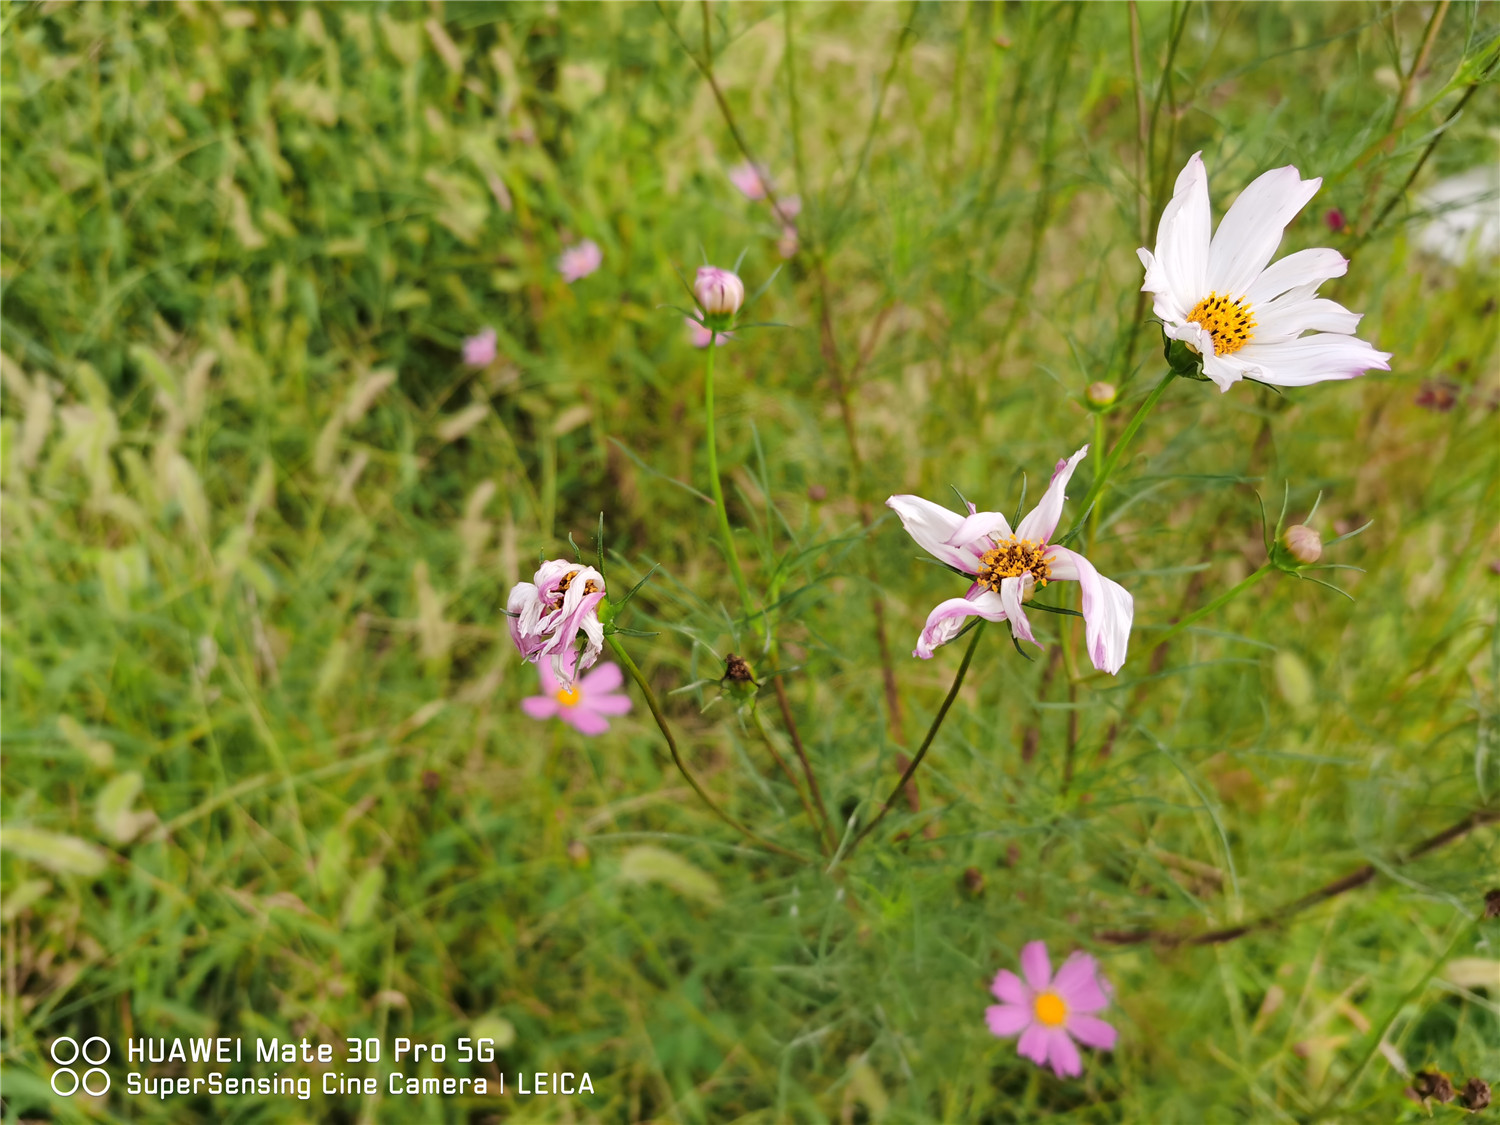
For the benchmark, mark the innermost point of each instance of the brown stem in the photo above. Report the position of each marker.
(812, 817)
(812, 779)
(1356, 878)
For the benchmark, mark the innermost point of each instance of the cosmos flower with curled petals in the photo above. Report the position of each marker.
(577, 262)
(1052, 1014)
(1244, 315)
(584, 705)
(547, 614)
(1008, 566)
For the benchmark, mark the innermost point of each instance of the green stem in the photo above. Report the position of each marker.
(1094, 514)
(1113, 460)
(717, 490)
(807, 807)
(1223, 599)
(937, 722)
(666, 731)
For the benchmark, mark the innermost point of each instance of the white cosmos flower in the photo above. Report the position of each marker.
(1244, 317)
(1009, 565)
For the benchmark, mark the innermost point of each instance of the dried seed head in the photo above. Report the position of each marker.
(1431, 1084)
(1492, 903)
(1476, 1095)
(737, 670)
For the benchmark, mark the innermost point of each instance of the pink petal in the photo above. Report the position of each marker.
(1033, 1044)
(611, 704)
(1092, 1032)
(605, 678)
(947, 618)
(1007, 1019)
(544, 674)
(1010, 598)
(932, 525)
(1036, 966)
(1063, 1055)
(977, 528)
(540, 706)
(1008, 989)
(1108, 608)
(584, 721)
(1041, 521)
(1077, 983)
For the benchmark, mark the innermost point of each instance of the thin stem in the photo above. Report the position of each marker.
(1222, 600)
(717, 491)
(812, 817)
(812, 779)
(937, 722)
(661, 722)
(1113, 460)
(1094, 512)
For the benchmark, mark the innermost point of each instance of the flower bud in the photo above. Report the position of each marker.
(720, 292)
(1100, 394)
(1302, 543)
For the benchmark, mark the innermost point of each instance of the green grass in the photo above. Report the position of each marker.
(237, 569)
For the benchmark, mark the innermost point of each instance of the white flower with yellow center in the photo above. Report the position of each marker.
(1243, 316)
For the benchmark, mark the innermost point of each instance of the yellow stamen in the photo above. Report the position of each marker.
(1050, 1009)
(569, 697)
(1227, 320)
(1012, 558)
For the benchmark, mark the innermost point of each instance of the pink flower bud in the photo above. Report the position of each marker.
(1335, 220)
(1302, 543)
(720, 292)
(1100, 394)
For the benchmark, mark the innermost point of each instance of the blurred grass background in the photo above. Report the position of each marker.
(264, 769)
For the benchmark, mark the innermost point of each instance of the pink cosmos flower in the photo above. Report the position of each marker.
(1008, 566)
(750, 179)
(701, 335)
(582, 706)
(1049, 1012)
(579, 261)
(547, 614)
(479, 351)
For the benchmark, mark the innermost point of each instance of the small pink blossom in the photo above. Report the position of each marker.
(720, 292)
(479, 351)
(582, 706)
(577, 262)
(787, 244)
(787, 208)
(700, 333)
(1048, 1012)
(548, 613)
(750, 178)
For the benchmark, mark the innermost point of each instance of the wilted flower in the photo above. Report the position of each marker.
(720, 292)
(1243, 317)
(1302, 543)
(750, 179)
(585, 704)
(1009, 565)
(1049, 1012)
(547, 614)
(701, 334)
(479, 351)
(579, 261)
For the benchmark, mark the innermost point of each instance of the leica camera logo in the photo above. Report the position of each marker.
(66, 1052)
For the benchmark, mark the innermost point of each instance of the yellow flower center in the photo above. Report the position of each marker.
(1050, 1008)
(1227, 320)
(570, 696)
(1012, 558)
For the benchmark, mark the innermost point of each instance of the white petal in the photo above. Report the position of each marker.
(1251, 231)
(1311, 359)
(978, 529)
(1108, 608)
(1178, 270)
(1298, 311)
(1225, 370)
(932, 525)
(1305, 267)
(1010, 598)
(1041, 521)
